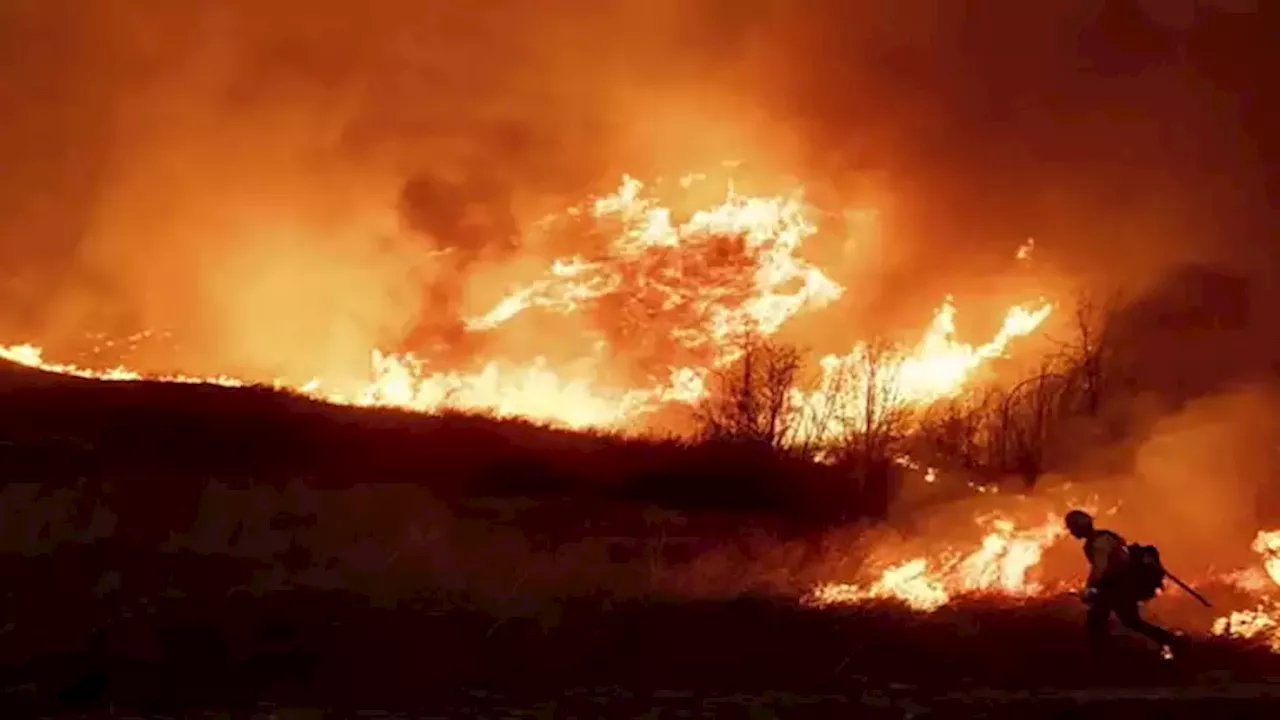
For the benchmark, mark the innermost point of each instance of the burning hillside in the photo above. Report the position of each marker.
(666, 297)
(662, 296)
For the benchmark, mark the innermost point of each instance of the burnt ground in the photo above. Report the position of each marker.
(331, 651)
(104, 614)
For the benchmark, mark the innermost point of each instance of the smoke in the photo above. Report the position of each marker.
(289, 184)
(1197, 481)
(1202, 480)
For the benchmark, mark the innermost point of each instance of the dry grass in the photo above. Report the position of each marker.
(172, 547)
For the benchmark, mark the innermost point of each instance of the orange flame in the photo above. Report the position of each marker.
(697, 284)
(1261, 622)
(654, 254)
(1267, 544)
(1005, 564)
(732, 268)
(938, 367)
(1001, 565)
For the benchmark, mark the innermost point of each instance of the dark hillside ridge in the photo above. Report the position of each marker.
(65, 430)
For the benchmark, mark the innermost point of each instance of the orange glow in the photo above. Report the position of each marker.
(936, 368)
(722, 271)
(1001, 564)
(696, 282)
(1267, 544)
(1261, 622)
(1006, 562)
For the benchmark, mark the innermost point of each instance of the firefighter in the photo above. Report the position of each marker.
(1112, 587)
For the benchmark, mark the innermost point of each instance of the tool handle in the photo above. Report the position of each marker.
(1188, 588)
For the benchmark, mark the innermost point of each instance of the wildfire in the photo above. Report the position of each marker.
(1263, 621)
(866, 385)
(1267, 544)
(33, 356)
(687, 287)
(673, 292)
(1001, 564)
(745, 246)
(1006, 563)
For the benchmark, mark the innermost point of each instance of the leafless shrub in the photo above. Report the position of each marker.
(1029, 413)
(855, 415)
(1009, 429)
(866, 414)
(861, 420)
(1090, 360)
(751, 400)
(957, 433)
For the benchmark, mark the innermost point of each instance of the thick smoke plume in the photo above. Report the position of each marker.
(286, 185)
(270, 177)
(1203, 480)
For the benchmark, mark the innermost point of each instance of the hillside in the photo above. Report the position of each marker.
(174, 547)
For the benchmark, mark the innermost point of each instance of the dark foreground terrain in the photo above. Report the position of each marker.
(200, 552)
(331, 652)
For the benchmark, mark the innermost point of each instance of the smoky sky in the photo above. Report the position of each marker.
(165, 161)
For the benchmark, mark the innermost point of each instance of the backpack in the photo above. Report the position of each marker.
(1145, 570)
(1144, 573)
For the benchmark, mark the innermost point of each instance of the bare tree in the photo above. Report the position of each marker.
(884, 417)
(1029, 414)
(752, 399)
(1089, 359)
(955, 433)
(866, 418)
(996, 430)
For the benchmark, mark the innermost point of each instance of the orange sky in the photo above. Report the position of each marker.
(238, 173)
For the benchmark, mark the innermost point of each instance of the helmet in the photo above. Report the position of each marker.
(1079, 522)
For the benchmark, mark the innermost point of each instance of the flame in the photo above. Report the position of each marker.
(743, 250)
(1005, 564)
(1267, 544)
(690, 286)
(1001, 565)
(33, 356)
(938, 367)
(1262, 622)
(687, 285)
(1257, 624)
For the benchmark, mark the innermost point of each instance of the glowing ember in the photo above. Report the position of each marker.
(1027, 248)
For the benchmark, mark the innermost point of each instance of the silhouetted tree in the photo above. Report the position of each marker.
(865, 419)
(751, 400)
(1003, 429)
(957, 433)
(1029, 412)
(1088, 359)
